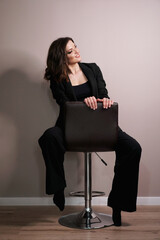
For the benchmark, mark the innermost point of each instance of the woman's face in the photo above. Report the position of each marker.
(72, 53)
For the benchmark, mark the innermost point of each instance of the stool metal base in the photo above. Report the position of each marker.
(86, 220)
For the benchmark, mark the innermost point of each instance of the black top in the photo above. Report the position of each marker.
(82, 91)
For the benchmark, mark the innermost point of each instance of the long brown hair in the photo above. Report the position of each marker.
(56, 60)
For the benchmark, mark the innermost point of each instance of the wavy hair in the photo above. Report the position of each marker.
(56, 60)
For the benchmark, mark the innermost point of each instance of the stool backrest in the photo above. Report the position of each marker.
(88, 130)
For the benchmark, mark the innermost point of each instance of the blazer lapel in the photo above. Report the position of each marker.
(70, 92)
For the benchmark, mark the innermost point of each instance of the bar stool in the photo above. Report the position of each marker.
(89, 131)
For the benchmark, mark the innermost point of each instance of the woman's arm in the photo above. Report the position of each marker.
(58, 91)
(101, 85)
(102, 91)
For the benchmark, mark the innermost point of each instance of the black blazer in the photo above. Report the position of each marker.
(63, 91)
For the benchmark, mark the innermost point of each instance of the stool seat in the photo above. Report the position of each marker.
(89, 131)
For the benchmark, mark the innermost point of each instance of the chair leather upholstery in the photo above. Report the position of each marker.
(88, 130)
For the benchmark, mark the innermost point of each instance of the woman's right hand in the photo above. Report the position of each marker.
(91, 102)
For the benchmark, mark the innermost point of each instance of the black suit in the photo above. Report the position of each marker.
(128, 151)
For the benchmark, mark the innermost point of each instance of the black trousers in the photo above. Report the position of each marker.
(125, 182)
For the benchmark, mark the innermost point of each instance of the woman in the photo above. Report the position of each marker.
(71, 80)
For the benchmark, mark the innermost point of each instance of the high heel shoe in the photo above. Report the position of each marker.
(116, 217)
(59, 200)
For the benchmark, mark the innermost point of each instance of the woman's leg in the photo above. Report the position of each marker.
(123, 195)
(52, 145)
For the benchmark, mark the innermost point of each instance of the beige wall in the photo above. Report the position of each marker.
(123, 38)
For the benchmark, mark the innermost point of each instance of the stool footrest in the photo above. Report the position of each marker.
(86, 220)
(82, 194)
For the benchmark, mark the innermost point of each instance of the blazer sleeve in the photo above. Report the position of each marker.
(58, 91)
(101, 85)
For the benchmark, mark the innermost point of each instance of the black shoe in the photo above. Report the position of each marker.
(116, 217)
(59, 200)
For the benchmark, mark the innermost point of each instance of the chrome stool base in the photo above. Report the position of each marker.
(86, 220)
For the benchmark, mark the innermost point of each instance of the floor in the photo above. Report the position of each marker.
(41, 223)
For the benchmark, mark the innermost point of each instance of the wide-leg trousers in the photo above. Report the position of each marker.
(123, 194)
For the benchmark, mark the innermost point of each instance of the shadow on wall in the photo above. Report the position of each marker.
(26, 110)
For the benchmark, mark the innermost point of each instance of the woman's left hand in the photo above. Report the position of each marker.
(107, 103)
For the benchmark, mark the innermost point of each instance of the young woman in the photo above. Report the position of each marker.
(71, 80)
